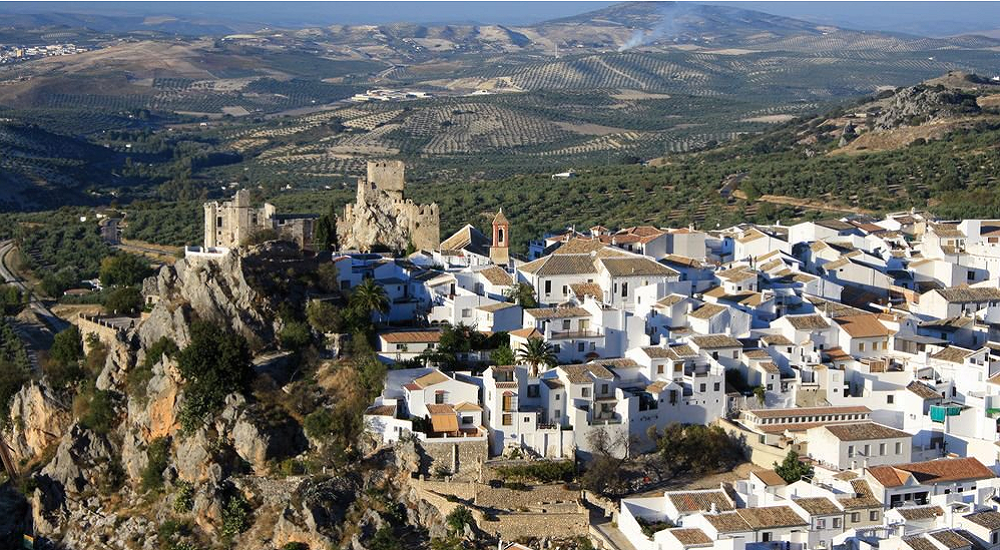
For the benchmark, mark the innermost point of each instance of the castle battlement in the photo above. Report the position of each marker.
(382, 216)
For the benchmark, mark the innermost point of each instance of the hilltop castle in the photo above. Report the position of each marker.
(231, 223)
(382, 217)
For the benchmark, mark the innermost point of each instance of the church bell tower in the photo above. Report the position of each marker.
(500, 251)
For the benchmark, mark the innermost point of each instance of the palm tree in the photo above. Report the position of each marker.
(537, 352)
(370, 297)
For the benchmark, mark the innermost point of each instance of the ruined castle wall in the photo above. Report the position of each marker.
(424, 224)
(443, 454)
(389, 176)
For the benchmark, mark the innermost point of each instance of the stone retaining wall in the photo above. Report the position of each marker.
(454, 455)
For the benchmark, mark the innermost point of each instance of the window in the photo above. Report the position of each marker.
(770, 387)
(850, 451)
(466, 313)
(736, 354)
(558, 415)
(873, 515)
(558, 397)
(716, 386)
(701, 388)
(585, 392)
(836, 523)
(527, 419)
(566, 324)
(861, 346)
(581, 346)
(624, 289)
(548, 287)
(466, 420)
(533, 390)
(556, 349)
(565, 290)
(821, 524)
(439, 397)
(994, 538)
(659, 369)
(855, 517)
(508, 419)
(881, 449)
(765, 537)
(604, 388)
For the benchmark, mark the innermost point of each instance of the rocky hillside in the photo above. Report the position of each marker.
(138, 451)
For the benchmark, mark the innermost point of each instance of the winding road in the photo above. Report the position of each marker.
(51, 320)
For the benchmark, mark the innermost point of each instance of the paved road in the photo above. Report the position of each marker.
(51, 320)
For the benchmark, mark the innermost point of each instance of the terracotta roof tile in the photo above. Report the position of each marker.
(496, 275)
(700, 501)
(863, 431)
(715, 341)
(863, 326)
(932, 471)
(989, 519)
(771, 517)
(691, 537)
(950, 539)
(818, 506)
(411, 336)
(914, 513)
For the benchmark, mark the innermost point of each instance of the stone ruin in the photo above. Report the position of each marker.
(382, 218)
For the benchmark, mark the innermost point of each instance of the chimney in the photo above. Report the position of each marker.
(713, 509)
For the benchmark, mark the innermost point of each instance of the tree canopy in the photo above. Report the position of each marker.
(215, 364)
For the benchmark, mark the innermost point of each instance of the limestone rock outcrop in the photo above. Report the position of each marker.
(209, 290)
(382, 218)
(38, 420)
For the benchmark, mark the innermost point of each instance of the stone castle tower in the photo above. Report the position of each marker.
(382, 216)
(231, 223)
(500, 250)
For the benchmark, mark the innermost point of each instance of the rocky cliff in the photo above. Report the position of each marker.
(247, 476)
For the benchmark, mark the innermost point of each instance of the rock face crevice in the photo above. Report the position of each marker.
(215, 291)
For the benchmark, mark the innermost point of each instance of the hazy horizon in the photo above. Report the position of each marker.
(927, 18)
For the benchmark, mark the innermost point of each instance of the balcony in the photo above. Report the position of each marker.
(576, 335)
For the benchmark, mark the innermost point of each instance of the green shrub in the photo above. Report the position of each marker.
(295, 335)
(157, 455)
(215, 364)
(184, 499)
(123, 270)
(95, 409)
(123, 301)
(459, 518)
(235, 516)
(319, 423)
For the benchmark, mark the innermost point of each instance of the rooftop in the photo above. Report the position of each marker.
(771, 517)
(411, 336)
(931, 472)
(989, 519)
(914, 513)
(966, 294)
(818, 506)
(863, 326)
(700, 501)
(863, 431)
(716, 341)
